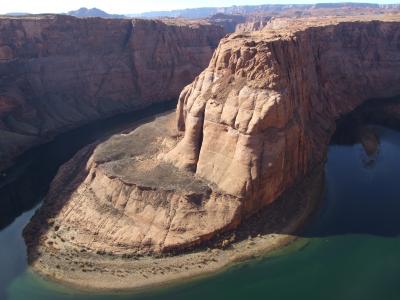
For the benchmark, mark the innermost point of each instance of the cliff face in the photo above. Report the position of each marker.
(118, 197)
(260, 116)
(240, 23)
(255, 122)
(59, 71)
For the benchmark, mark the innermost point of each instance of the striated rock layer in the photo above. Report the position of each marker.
(57, 72)
(253, 124)
(118, 197)
(260, 116)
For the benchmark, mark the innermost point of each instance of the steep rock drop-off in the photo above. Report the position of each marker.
(118, 217)
(57, 72)
(253, 125)
(122, 199)
(260, 117)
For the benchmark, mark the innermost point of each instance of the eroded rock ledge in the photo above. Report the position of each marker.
(125, 200)
(252, 125)
(118, 217)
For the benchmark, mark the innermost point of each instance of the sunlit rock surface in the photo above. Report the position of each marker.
(254, 123)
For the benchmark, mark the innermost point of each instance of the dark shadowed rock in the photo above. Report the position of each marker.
(57, 72)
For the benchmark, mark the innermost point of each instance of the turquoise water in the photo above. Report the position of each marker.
(349, 250)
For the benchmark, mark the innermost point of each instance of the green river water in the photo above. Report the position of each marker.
(350, 249)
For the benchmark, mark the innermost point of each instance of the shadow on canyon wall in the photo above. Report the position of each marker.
(371, 205)
(25, 184)
(372, 211)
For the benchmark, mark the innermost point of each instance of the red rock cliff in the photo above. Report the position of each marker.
(58, 71)
(261, 115)
(255, 122)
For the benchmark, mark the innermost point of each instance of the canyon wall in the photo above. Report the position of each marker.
(240, 23)
(252, 125)
(286, 10)
(57, 72)
(260, 117)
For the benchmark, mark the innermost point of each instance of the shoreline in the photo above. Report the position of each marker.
(89, 272)
(142, 287)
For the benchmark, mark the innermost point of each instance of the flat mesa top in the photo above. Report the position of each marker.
(179, 22)
(285, 28)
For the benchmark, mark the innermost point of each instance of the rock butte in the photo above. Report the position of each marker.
(251, 125)
(261, 115)
(58, 72)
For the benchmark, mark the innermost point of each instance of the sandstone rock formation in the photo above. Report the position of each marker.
(228, 22)
(260, 117)
(254, 123)
(122, 199)
(240, 23)
(253, 24)
(57, 72)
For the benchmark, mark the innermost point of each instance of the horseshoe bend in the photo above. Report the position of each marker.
(245, 146)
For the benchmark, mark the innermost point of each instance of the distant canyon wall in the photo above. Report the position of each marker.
(284, 10)
(57, 72)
